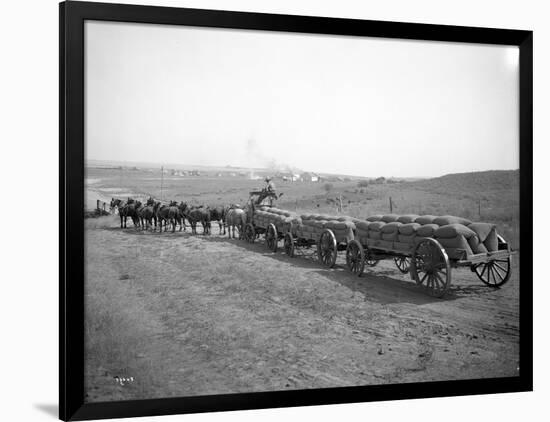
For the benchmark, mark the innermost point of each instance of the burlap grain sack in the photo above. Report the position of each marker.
(425, 219)
(340, 225)
(377, 217)
(361, 233)
(404, 238)
(388, 218)
(476, 245)
(374, 235)
(427, 230)
(409, 228)
(486, 233)
(390, 236)
(362, 225)
(407, 218)
(458, 242)
(362, 239)
(445, 220)
(482, 229)
(450, 231)
(392, 227)
(376, 226)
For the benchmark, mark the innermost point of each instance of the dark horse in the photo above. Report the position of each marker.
(182, 211)
(196, 215)
(147, 215)
(125, 209)
(218, 214)
(167, 214)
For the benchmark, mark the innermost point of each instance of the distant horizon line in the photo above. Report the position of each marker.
(230, 166)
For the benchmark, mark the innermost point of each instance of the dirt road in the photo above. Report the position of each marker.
(192, 315)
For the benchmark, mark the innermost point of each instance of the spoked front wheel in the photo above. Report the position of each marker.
(327, 249)
(355, 257)
(403, 263)
(431, 267)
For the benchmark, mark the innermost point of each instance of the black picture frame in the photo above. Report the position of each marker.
(72, 16)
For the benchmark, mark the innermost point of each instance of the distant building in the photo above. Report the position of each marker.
(310, 177)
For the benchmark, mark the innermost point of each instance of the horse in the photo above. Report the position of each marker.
(130, 210)
(199, 214)
(123, 210)
(162, 215)
(115, 204)
(182, 210)
(218, 214)
(173, 215)
(235, 217)
(139, 216)
(148, 214)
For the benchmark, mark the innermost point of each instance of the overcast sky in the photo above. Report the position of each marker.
(346, 105)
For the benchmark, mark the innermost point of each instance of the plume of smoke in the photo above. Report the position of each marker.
(255, 155)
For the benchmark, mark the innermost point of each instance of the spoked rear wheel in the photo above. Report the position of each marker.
(403, 263)
(495, 273)
(431, 267)
(355, 257)
(327, 248)
(271, 239)
(289, 245)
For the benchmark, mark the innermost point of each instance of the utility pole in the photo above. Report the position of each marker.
(161, 183)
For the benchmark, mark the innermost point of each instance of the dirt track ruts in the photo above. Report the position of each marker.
(225, 316)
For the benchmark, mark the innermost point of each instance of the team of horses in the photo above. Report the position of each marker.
(154, 214)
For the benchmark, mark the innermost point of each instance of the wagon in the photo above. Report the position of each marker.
(271, 228)
(330, 235)
(430, 260)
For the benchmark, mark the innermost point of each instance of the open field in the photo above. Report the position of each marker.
(491, 196)
(193, 315)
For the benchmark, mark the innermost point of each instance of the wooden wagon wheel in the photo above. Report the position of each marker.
(327, 249)
(271, 239)
(430, 267)
(249, 233)
(403, 263)
(499, 269)
(355, 257)
(289, 244)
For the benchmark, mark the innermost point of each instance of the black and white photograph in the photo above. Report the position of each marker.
(270, 211)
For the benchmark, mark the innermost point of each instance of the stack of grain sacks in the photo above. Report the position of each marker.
(282, 219)
(313, 225)
(403, 232)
